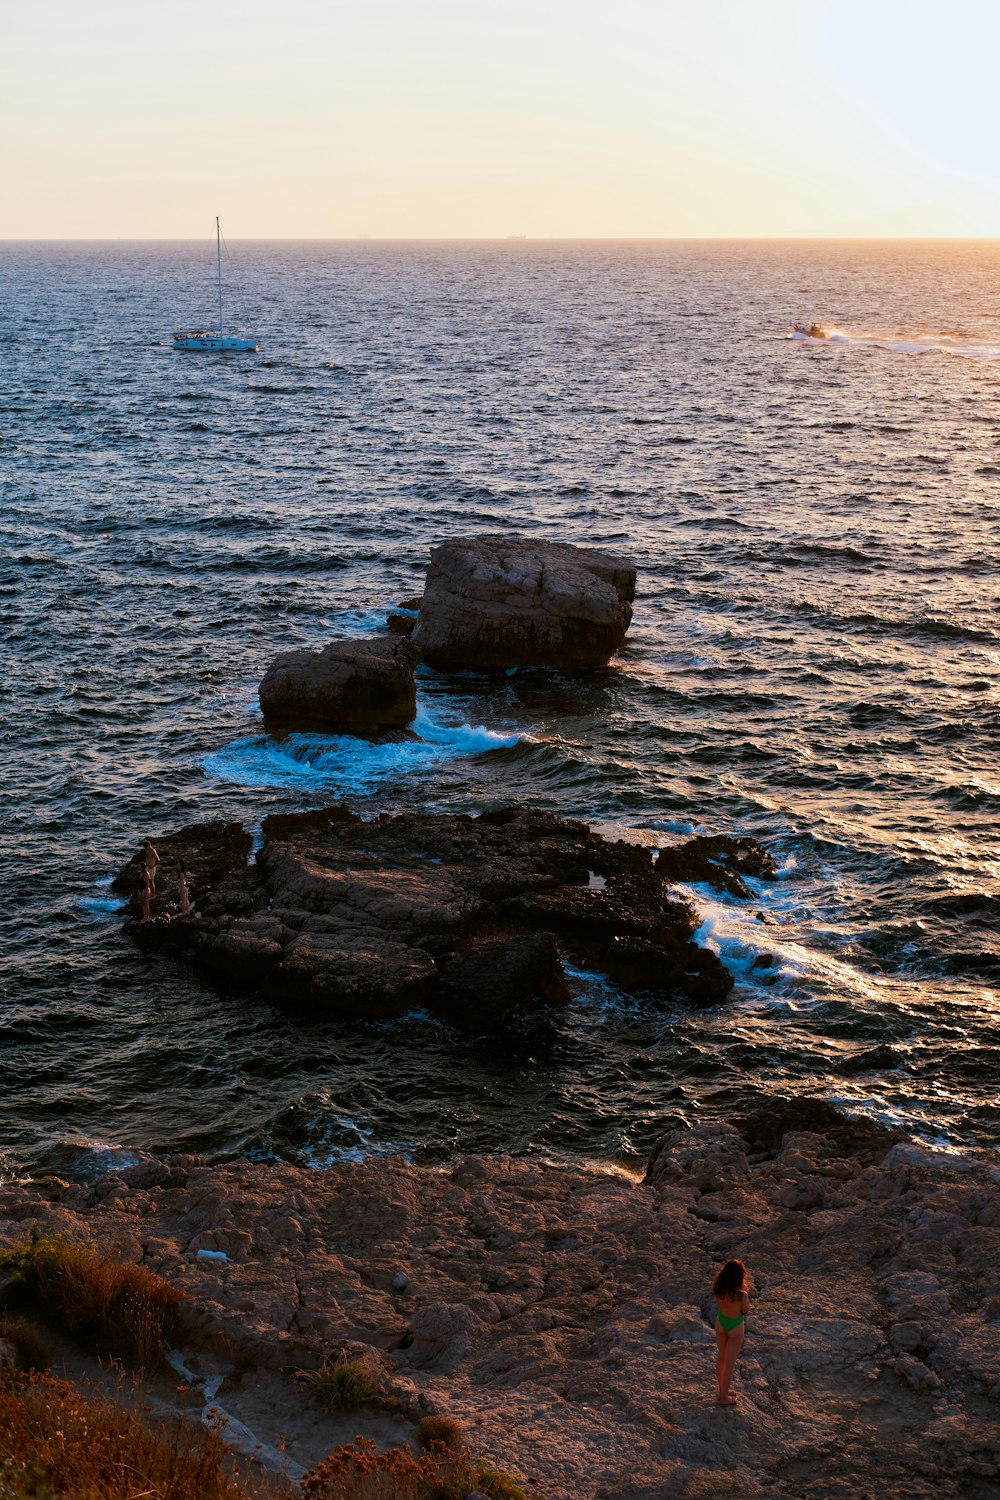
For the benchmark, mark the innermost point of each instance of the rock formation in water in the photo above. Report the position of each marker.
(402, 619)
(498, 602)
(467, 916)
(363, 686)
(564, 1317)
(716, 859)
(215, 857)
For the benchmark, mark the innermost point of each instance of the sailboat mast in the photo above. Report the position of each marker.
(218, 260)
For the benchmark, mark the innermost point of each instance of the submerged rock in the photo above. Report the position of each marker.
(766, 1127)
(501, 975)
(498, 602)
(468, 916)
(364, 686)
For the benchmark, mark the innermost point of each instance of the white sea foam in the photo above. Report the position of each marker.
(336, 1137)
(734, 933)
(101, 906)
(595, 992)
(730, 928)
(100, 1159)
(920, 1117)
(362, 622)
(347, 765)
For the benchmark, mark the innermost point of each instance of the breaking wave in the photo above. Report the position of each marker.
(343, 765)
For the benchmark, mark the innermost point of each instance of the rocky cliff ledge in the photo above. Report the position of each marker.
(467, 916)
(563, 1316)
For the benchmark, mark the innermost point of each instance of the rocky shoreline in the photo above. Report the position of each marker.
(562, 1316)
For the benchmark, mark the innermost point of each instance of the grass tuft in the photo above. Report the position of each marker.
(498, 1484)
(109, 1308)
(30, 1349)
(443, 1430)
(342, 1386)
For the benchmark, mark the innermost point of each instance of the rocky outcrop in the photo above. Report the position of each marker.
(403, 618)
(498, 602)
(564, 1318)
(363, 686)
(215, 856)
(504, 974)
(467, 916)
(718, 860)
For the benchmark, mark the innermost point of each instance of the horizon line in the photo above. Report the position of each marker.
(462, 239)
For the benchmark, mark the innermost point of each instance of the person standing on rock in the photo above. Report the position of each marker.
(730, 1292)
(145, 892)
(183, 891)
(150, 860)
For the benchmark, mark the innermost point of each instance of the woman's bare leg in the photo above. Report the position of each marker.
(730, 1354)
(720, 1341)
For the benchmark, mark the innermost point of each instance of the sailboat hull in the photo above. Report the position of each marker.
(212, 343)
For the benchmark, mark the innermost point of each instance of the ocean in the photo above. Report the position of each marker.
(814, 660)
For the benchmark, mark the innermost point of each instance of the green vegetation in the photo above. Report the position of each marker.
(342, 1386)
(60, 1443)
(499, 1484)
(107, 1307)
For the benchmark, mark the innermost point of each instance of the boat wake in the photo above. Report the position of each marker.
(918, 343)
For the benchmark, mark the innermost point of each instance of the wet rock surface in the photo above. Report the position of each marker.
(563, 1317)
(402, 619)
(358, 685)
(494, 602)
(467, 916)
(718, 860)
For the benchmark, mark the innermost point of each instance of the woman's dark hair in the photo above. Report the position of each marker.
(731, 1281)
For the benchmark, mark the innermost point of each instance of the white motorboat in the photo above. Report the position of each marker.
(213, 340)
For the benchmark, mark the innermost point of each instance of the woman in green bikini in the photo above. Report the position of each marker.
(730, 1292)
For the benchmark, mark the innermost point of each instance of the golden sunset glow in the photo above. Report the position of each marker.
(461, 118)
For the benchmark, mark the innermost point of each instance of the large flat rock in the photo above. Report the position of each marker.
(497, 602)
(467, 916)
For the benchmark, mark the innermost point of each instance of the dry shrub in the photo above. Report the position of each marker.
(57, 1444)
(108, 1307)
(357, 1471)
(30, 1349)
(443, 1430)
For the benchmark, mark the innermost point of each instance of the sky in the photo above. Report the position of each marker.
(488, 118)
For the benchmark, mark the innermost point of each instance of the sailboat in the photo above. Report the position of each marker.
(213, 340)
